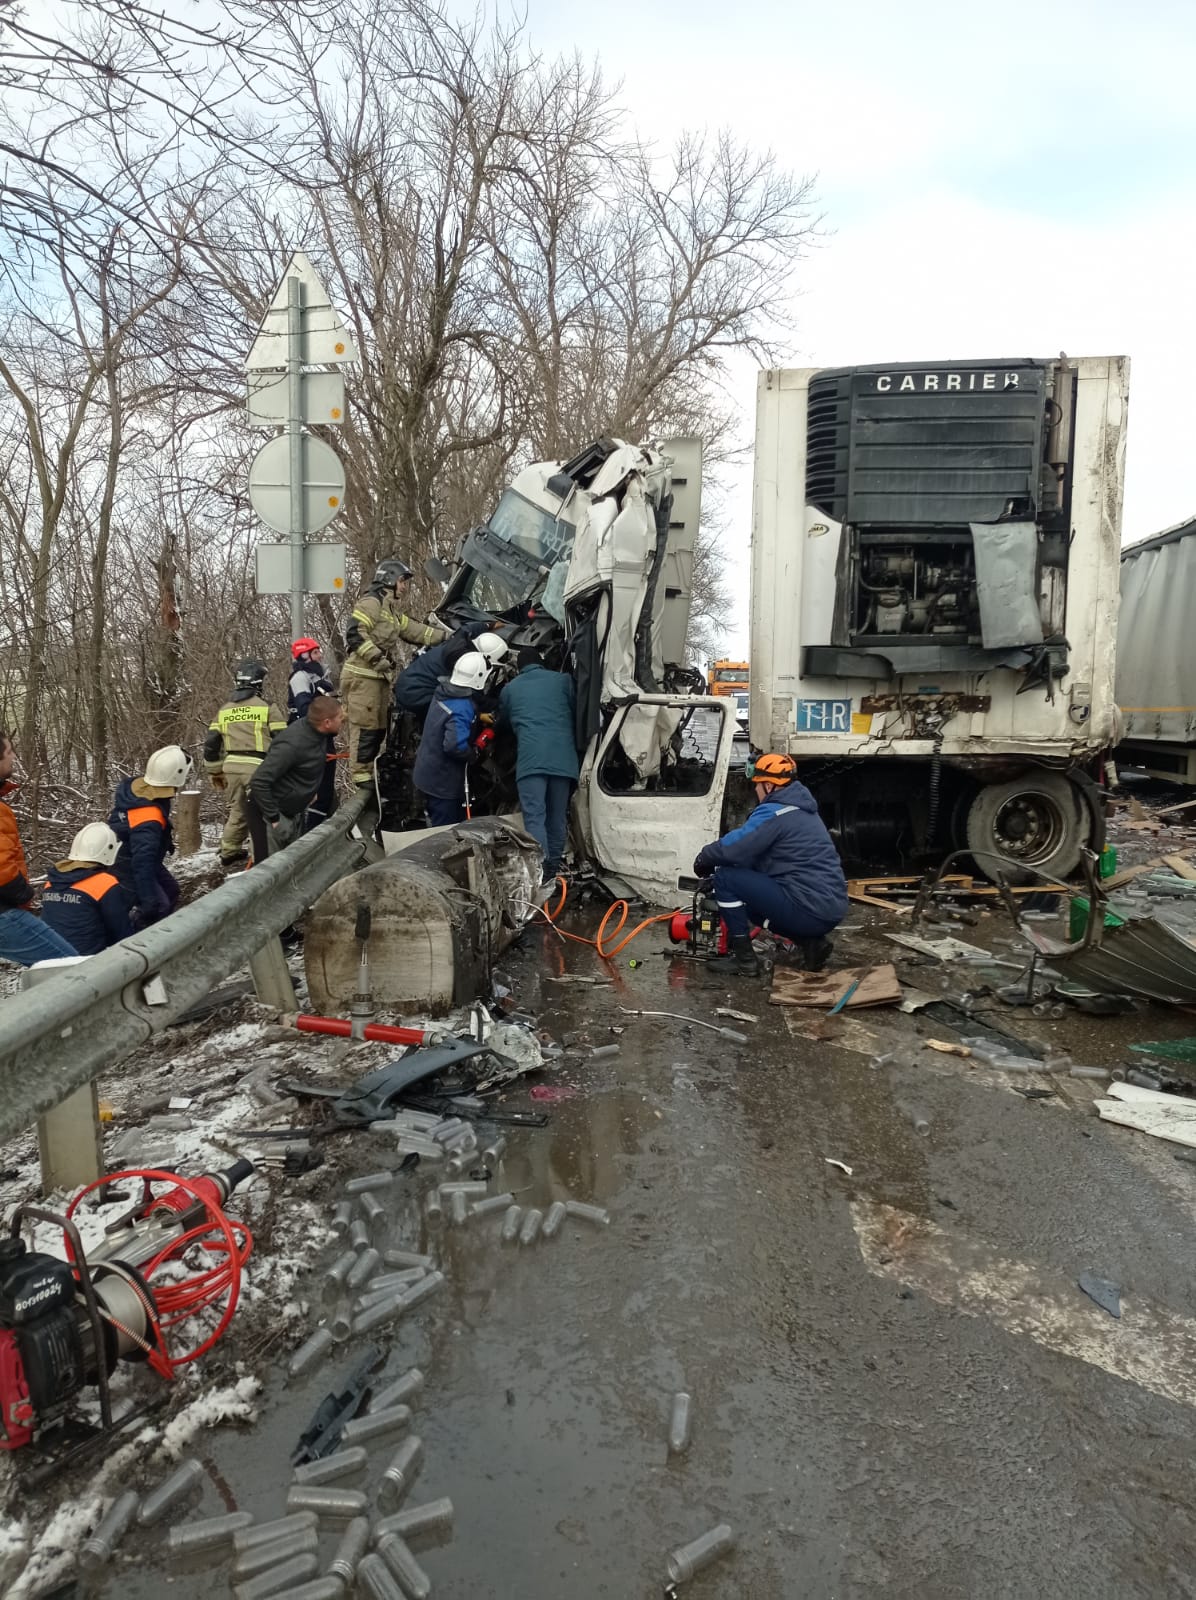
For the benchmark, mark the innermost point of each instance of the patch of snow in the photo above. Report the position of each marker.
(233, 1403)
(53, 1555)
(14, 1550)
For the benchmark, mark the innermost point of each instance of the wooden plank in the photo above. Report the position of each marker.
(915, 881)
(871, 900)
(1184, 805)
(1128, 874)
(878, 986)
(1180, 867)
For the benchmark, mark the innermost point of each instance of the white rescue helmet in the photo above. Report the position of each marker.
(168, 768)
(471, 671)
(95, 842)
(492, 646)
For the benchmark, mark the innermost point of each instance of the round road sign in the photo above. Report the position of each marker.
(323, 488)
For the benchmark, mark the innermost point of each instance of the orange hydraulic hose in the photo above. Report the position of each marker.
(607, 952)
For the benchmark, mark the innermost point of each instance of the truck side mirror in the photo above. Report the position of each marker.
(437, 570)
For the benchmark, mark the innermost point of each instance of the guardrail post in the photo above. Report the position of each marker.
(271, 976)
(69, 1143)
(68, 1138)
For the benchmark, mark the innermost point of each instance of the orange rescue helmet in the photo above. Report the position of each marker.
(772, 769)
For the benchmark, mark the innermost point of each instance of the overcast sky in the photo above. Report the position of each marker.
(998, 180)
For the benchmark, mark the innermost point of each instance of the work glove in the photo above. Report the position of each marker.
(219, 781)
(483, 740)
(703, 866)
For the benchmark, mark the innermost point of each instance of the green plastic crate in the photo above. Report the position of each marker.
(1077, 919)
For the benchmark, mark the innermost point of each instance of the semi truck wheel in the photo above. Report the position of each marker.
(1037, 820)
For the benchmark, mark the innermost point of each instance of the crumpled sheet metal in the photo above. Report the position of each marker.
(1142, 957)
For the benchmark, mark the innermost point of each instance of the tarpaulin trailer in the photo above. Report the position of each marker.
(1156, 654)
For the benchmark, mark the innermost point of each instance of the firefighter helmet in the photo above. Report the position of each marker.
(168, 768)
(250, 673)
(389, 572)
(304, 647)
(772, 770)
(96, 842)
(471, 671)
(492, 646)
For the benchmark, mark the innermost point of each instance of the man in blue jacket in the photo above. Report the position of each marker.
(416, 685)
(449, 745)
(140, 819)
(538, 707)
(81, 900)
(780, 869)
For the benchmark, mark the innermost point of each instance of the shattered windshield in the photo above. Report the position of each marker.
(530, 528)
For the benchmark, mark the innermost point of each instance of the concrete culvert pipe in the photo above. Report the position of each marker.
(441, 908)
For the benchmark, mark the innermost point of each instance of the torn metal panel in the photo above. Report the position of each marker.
(1141, 957)
(1006, 555)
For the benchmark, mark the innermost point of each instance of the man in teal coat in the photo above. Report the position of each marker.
(538, 708)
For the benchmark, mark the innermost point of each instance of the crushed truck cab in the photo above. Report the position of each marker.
(591, 561)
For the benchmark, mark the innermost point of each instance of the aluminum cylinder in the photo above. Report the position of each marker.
(342, 1218)
(492, 1203)
(284, 1575)
(434, 1516)
(401, 1472)
(587, 1213)
(333, 1282)
(510, 1224)
(359, 1234)
(458, 1209)
(400, 1390)
(375, 1213)
(366, 1265)
(529, 1228)
(206, 1535)
(410, 1576)
(97, 1549)
(554, 1218)
(406, 1258)
(248, 1563)
(355, 1541)
(372, 1180)
(376, 1581)
(313, 1348)
(329, 1503)
(327, 1470)
(680, 1424)
(375, 1424)
(180, 1483)
(690, 1558)
(267, 1532)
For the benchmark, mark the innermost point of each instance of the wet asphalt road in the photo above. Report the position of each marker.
(862, 1437)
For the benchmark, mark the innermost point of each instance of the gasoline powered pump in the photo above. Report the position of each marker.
(701, 929)
(65, 1323)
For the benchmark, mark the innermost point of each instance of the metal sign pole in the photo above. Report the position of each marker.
(295, 444)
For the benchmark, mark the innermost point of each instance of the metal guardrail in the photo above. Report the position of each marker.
(58, 1037)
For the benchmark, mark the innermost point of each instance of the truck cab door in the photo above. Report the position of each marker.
(647, 831)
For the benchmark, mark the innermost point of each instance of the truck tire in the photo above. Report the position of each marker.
(1037, 820)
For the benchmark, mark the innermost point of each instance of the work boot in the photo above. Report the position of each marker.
(235, 858)
(814, 953)
(740, 960)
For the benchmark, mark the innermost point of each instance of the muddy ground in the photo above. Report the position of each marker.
(898, 1387)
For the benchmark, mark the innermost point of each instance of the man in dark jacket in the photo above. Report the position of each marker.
(82, 901)
(449, 743)
(538, 706)
(140, 819)
(309, 678)
(24, 937)
(415, 686)
(286, 780)
(780, 869)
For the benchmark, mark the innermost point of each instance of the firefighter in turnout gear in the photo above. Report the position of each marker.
(238, 738)
(81, 899)
(375, 630)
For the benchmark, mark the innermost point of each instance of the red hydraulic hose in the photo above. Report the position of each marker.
(382, 1032)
